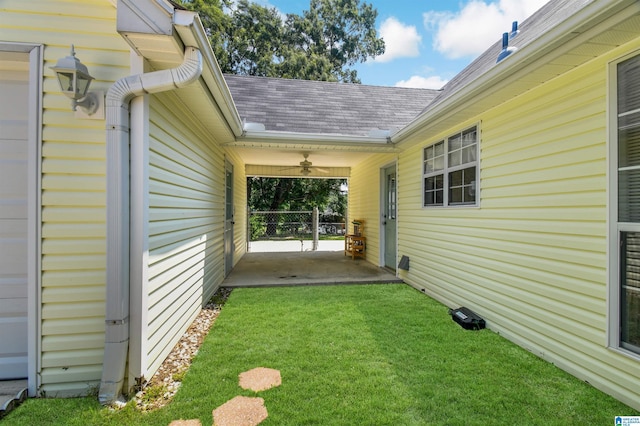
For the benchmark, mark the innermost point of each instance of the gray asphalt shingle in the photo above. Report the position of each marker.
(322, 107)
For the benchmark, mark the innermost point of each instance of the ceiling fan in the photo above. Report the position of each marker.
(306, 166)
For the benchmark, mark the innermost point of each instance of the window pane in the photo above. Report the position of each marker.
(469, 154)
(455, 142)
(434, 157)
(455, 158)
(629, 85)
(629, 146)
(428, 166)
(455, 195)
(629, 196)
(438, 163)
(469, 137)
(630, 290)
(433, 190)
(462, 186)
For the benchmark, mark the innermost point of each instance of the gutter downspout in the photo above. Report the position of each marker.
(118, 98)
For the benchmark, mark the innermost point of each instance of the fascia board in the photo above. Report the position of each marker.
(190, 29)
(159, 18)
(270, 136)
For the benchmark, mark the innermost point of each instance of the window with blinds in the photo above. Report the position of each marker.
(628, 111)
(450, 171)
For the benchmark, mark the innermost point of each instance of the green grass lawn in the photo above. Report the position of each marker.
(358, 355)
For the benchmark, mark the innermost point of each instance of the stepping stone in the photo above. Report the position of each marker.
(240, 411)
(260, 379)
(193, 422)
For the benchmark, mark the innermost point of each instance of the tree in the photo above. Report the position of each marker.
(296, 194)
(254, 40)
(331, 35)
(215, 22)
(321, 44)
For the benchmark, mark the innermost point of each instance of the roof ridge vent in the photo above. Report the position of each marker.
(514, 29)
(506, 50)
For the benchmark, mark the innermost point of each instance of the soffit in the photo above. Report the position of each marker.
(165, 52)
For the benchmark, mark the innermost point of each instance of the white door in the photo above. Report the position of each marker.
(389, 216)
(14, 91)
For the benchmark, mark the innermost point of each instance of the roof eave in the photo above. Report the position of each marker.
(271, 139)
(558, 40)
(138, 20)
(190, 29)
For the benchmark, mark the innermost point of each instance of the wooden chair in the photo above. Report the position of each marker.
(355, 244)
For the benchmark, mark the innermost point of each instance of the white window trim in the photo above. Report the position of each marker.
(614, 228)
(448, 170)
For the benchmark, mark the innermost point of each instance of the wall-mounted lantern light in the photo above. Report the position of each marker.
(74, 80)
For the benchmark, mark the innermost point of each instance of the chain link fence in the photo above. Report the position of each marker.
(281, 225)
(286, 225)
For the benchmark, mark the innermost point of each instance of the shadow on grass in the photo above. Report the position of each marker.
(457, 376)
(358, 355)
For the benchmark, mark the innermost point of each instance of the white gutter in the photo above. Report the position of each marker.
(270, 136)
(189, 26)
(118, 98)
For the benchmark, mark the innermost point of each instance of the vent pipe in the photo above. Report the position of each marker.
(506, 50)
(514, 29)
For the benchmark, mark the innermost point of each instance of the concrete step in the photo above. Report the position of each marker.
(12, 393)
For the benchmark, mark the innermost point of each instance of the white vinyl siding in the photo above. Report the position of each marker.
(186, 215)
(533, 259)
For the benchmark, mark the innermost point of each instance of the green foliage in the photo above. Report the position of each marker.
(179, 376)
(332, 34)
(253, 40)
(297, 194)
(356, 355)
(215, 22)
(320, 44)
(154, 392)
(258, 227)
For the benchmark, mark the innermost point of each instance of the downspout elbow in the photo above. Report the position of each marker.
(117, 103)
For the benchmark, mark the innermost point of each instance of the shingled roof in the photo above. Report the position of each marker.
(320, 107)
(548, 16)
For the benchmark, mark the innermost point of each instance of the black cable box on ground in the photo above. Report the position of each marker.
(467, 319)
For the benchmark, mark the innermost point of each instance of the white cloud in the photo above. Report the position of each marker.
(400, 40)
(477, 25)
(418, 82)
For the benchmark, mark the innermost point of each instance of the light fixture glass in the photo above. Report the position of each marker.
(74, 80)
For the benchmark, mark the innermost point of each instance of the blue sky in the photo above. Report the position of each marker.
(430, 41)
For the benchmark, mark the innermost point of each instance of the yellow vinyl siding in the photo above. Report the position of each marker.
(240, 206)
(186, 213)
(364, 200)
(73, 187)
(532, 259)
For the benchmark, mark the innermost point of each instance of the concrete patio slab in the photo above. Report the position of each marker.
(305, 268)
(12, 393)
